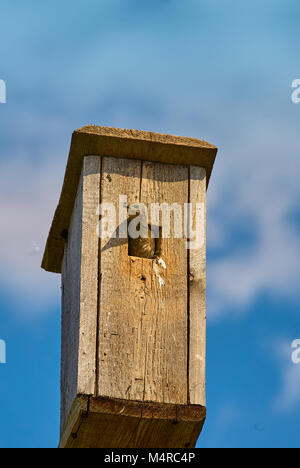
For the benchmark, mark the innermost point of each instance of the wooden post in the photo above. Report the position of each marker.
(133, 328)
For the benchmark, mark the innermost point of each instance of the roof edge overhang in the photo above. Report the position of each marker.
(120, 143)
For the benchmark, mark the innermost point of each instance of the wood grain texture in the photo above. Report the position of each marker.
(197, 293)
(89, 276)
(143, 306)
(71, 280)
(162, 333)
(116, 315)
(100, 423)
(73, 422)
(80, 290)
(133, 329)
(130, 144)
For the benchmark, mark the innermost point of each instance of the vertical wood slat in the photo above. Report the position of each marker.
(117, 314)
(143, 325)
(80, 290)
(197, 301)
(89, 276)
(71, 309)
(163, 331)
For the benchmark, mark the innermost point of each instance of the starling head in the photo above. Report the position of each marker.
(144, 247)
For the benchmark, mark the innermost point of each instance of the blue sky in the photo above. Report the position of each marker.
(220, 70)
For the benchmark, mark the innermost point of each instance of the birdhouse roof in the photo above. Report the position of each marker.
(119, 143)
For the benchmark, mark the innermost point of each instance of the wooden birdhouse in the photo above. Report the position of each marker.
(133, 324)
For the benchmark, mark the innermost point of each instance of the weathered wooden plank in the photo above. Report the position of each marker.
(71, 309)
(143, 305)
(162, 330)
(80, 290)
(119, 431)
(72, 423)
(100, 423)
(117, 314)
(197, 302)
(89, 276)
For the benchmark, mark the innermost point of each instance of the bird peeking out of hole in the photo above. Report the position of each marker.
(144, 245)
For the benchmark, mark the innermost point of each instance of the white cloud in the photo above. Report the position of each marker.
(259, 181)
(28, 195)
